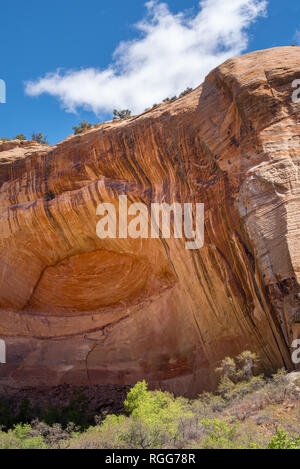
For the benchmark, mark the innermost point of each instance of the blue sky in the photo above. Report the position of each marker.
(65, 49)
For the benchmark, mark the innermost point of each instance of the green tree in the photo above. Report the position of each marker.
(20, 137)
(19, 438)
(282, 441)
(185, 92)
(84, 125)
(220, 435)
(160, 411)
(124, 114)
(170, 100)
(39, 138)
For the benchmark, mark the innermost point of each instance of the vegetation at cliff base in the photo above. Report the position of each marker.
(246, 412)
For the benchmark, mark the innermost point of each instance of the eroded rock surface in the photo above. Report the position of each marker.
(79, 310)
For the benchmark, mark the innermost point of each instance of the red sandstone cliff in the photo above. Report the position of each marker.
(77, 309)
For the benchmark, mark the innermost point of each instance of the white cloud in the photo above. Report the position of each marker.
(170, 53)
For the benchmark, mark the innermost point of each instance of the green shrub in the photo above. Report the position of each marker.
(25, 413)
(153, 422)
(243, 415)
(282, 441)
(84, 125)
(76, 412)
(156, 408)
(219, 434)
(20, 137)
(170, 100)
(7, 419)
(207, 405)
(185, 92)
(39, 138)
(19, 438)
(231, 391)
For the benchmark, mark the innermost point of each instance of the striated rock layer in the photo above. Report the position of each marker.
(79, 310)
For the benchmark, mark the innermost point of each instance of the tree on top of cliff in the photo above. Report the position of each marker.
(39, 138)
(124, 114)
(84, 125)
(185, 92)
(170, 100)
(20, 137)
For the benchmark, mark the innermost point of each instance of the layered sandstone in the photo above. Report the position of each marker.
(79, 310)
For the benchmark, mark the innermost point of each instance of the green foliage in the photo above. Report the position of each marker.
(7, 419)
(153, 422)
(116, 432)
(157, 409)
(25, 413)
(39, 138)
(3, 139)
(170, 100)
(219, 434)
(84, 125)
(282, 441)
(208, 404)
(75, 412)
(242, 415)
(136, 396)
(231, 391)
(124, 114)
(185, 92)
(20, 137)
(19, 438)
(50, 415)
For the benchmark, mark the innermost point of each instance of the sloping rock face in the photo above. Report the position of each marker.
(80, 310)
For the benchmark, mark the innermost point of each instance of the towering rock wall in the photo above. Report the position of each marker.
(81, 310)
